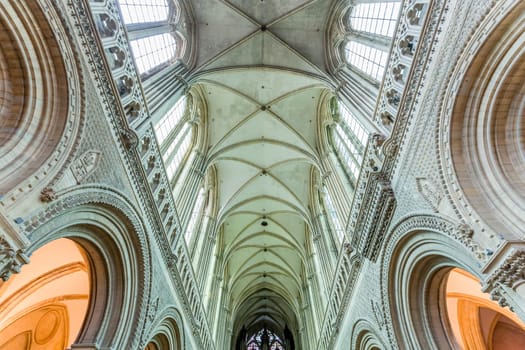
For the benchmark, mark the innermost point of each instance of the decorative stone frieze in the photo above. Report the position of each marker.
(11, 259)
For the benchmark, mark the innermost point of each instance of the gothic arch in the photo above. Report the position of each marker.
(110, 232)
(419, 255)
(483, 149)
(40, 96)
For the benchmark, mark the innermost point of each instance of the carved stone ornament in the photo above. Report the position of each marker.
(10, 260)
(85, 165)
(129, 138)
(430, 192)
(48, 195)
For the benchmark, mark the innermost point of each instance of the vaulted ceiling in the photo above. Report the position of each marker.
(260, 66)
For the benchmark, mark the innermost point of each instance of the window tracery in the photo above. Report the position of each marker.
(174, 134)
(153, 51)
(349, 141)
(144, 11)
(195, 216)
(264, 337)
(366, 22)
(158, 48)
(376, 18)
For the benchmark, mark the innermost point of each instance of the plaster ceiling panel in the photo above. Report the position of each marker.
(265, 205)
(232, 174)
(262, 49)
(262, 126)
(263, 84)
(278, 54)
(296, 176)
(219, 27)
(248, 52)
(225, 110)
(272, 154)
(300, 112)
(267, 11)
(265, 185)
(305, 31)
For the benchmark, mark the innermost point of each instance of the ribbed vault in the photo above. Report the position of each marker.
(263, 144)
(260, 66)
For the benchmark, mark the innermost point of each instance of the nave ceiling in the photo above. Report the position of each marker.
(260, 68)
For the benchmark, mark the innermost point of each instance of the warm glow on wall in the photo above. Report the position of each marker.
(44, 306)
(477, 322)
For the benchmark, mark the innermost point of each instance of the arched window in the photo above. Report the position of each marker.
(364, 50)
(174, 135)
(177, 151)
(376, 18)
(170, 120)
(333, 216)
(153, 51)
(367, 59)
(195, 215)
(144, 11)
(349, 141)
(150, 29)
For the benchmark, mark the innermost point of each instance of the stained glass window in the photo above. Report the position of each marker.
(144, 11)
(257, 341)
(367, 59)
(376, 18)
(153, 51)
(334, 218)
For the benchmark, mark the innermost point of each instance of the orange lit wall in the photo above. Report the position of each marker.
(44, 306)
(477, 322)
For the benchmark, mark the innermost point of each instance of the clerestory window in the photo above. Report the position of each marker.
(149, 25)
(333, 216)
(376, 18)
(367, 59)
(144, 11)
(174, 135)
(153, 51)
(195, 215)
(371, 27)
(349, 140)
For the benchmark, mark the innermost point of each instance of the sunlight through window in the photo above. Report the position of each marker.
(367, 59)
(376, 18)
(153, 51)
(144, 11)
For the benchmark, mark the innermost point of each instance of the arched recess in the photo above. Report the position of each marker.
(166, 331)
(109, 230)
(364, 337)
(476, 321)
(417, 258)
(482, 142)
(40, 96)
(45, 305)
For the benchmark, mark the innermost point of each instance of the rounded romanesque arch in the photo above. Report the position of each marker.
(364, 337)
(417, 258)
(483, 149)
(166, 332)
(40, 96)
(110, 232)
(45, 305)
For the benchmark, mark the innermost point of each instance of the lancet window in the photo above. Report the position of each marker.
(153, 42)
(371, 27)
(349, 141)
(174, 135)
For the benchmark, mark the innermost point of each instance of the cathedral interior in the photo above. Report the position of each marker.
(262, 174)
